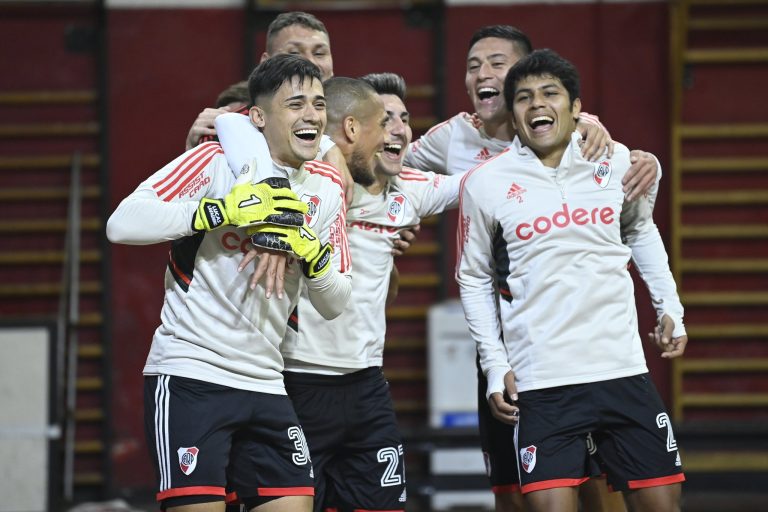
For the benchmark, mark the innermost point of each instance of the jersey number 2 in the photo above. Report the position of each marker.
(391, 456)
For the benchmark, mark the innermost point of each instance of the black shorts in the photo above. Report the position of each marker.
(627, 422)
(205, 438)
(497, 441)
(356, 447)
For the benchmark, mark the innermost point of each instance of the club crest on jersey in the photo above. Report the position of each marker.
(528, 458)
(187, 459)
(313, 205)
(602, 174)
(396, 210)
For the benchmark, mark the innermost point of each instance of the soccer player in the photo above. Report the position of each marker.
(553, 233)
(333, 368)
(216, 412)
(295, 33)
(463, 142)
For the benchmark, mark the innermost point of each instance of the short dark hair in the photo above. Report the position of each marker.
(288, 19)
(235, 93)
(268, 76)
(343, 97)
(386, 83)
(508, 32)
(542, 63)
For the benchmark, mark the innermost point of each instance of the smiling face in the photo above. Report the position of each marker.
(305, 42)
(544, 116)
(292, 120)
(371, 126)
(399, 134)
(488, 61)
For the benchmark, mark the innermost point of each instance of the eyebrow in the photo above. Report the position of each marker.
(492, 56)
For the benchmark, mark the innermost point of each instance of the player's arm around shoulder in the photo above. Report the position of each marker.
(429, 152)
(330, 292)
(163, 206)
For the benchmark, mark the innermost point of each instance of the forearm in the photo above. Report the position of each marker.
(329, 293)
(145, 220)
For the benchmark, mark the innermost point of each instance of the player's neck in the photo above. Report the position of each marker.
(378, 185)
(499, 130)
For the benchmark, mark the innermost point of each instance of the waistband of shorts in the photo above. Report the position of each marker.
(316, 379)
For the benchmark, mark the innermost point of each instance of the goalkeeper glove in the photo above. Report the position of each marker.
(271, 200)
(303, 242)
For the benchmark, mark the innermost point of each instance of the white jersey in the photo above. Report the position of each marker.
(453, 146)
(214, 328)
(555, 243)
(355, 339)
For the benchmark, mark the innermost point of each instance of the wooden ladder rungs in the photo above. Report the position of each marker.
(422, 249)
(44, 289)
(730, 266)
(47, 97)
(736, 197)
(726, 3)
(410, 406)
(47, 225)
(89, 415)
(13, 131)
(405, 375)
(423, 123)
(700, 461)
(724, 399)
(723, 365)
(85, 479)
(707, 231)
(34, 193)
(400, 343)
(692, 165)
(407, 312)
(421, 91)
(16, 163)
(44, 257)
(92, 446)
(89, 384)
(90, 320)
(718, 331)
(728, 23)
(90, 351)
(719, 131)
(419, 280)
(726, 55)
(724, 298)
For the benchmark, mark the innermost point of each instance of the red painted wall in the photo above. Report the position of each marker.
(166, 65)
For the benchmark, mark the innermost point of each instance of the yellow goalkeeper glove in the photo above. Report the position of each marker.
(301, 241)
(271, 200)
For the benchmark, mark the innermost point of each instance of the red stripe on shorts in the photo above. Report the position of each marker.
(286, 491)
(656, 482)
(553, 484)
(190, 491)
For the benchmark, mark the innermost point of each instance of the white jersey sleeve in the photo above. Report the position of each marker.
(431, 150)
(651, 258)
(163, 206)
(430, 193)
(475, 276)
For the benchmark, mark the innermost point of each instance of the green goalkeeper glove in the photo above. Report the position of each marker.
(271, 200)
(302, 241)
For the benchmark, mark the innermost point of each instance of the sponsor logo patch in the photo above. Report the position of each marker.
(528, 458)
(602, 174)
(188, 459)
(516, 192)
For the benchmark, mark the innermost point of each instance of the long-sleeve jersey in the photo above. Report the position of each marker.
(554, 244)
(213, 327)
(354, 339)
(453, 146)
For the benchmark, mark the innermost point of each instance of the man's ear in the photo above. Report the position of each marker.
(576, 108)
(257, 116)
(351, 128)
(264, 56)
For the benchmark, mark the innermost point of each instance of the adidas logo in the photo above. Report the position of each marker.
(516, 192)
(483, 155)
(403, 497)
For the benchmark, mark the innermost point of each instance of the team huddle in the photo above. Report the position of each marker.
(263, 385)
